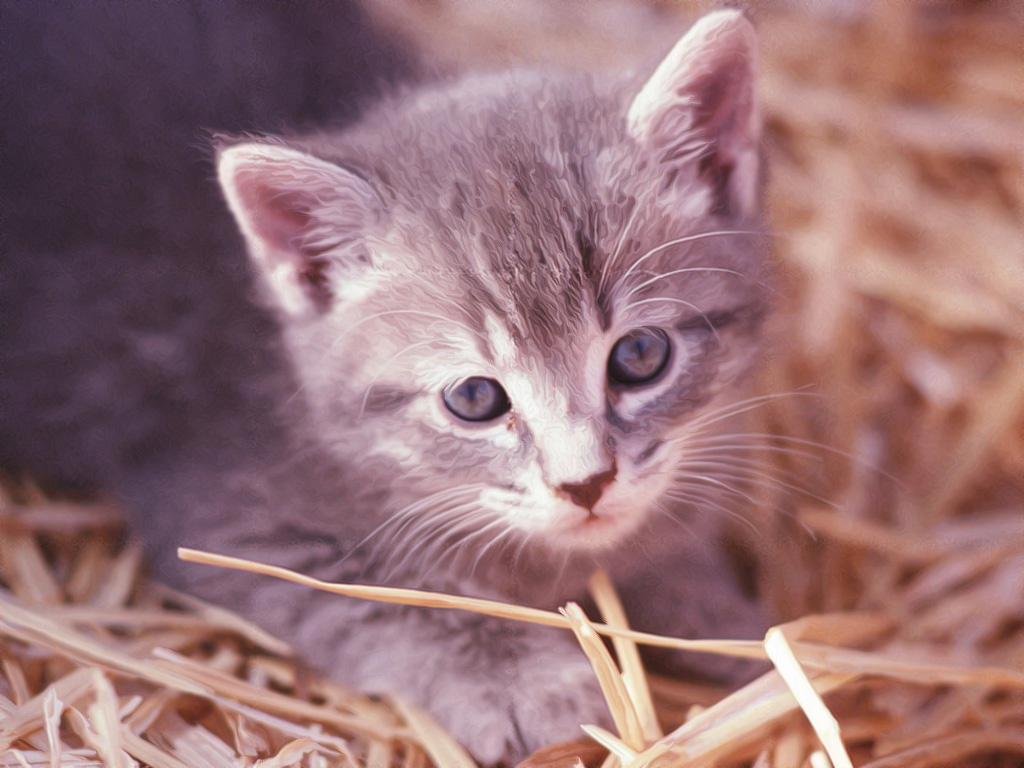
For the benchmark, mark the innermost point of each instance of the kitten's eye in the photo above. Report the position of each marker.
(638, 356)
(477, 399)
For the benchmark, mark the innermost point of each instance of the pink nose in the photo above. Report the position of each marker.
(587, 493)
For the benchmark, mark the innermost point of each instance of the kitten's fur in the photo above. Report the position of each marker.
(512, 227)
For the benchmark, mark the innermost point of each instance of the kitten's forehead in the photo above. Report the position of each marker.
(525, 266)
(511, 229)
(518, 201)
(487, 185)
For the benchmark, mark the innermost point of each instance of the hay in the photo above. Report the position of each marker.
(898, 183)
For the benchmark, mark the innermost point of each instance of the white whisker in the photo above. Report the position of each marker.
(713, 446)
(404, 515)
(390, 312)
(387, 365)
(739, 463)
(694, 307)
(618, 247)
(697, 497)
(768, 436)
(681, 240)
(738, 408)
(499, 539)
(664, 275)
(754, 477)
(467, 522)
(690, 477)
(676, 519)
(463, 543)
(433, 523)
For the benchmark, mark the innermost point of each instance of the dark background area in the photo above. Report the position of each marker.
(127, 332)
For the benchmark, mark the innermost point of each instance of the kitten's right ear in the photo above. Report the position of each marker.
(702, 100)
(303, 219)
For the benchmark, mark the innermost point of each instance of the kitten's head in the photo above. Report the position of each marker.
(522, 293)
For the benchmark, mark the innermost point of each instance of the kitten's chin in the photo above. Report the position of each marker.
(594, 532)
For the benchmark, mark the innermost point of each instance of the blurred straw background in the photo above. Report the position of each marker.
(896, 152)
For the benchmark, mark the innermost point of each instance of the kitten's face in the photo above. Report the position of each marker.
(521, 296)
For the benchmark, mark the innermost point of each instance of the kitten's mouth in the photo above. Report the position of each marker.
(594, 521)
(593, 532)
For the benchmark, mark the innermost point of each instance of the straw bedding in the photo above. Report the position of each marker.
(896, 558)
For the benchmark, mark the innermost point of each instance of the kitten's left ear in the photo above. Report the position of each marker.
(702, 102)
(303, 218)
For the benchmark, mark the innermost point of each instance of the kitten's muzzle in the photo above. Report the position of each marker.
(587, 493)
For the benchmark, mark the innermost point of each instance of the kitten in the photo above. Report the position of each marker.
(515, 311)
(518, 308)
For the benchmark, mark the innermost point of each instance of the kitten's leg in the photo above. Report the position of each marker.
(694, 594)
(502, 688)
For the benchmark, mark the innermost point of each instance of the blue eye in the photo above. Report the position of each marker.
(638, 357)
(477, 399)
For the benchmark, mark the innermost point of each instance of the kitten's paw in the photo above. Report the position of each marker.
(502, 719)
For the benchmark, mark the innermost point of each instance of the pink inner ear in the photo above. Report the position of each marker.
(303, 218)
(280, 218)
(722, 103)
(708, 113)
(719, 97)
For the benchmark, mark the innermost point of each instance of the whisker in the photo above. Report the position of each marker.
(703, 494)
(463, 544)
(739, 463)
(714, 481)
(522, 548)
(618, 247)
(673, 272)
(422, 542)
(799, 441)
(688, 529)
(388, 312)
(387, 365)
(697, 497)
(447, 494)
(712, 446)
(509, 531)
(761, 479)
(687, 239)
(453, 548)
(425, 530)
(689, 429)
(427, 507)
(742, 406)
(694, 307)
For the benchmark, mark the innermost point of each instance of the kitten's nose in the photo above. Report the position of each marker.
(589, 491)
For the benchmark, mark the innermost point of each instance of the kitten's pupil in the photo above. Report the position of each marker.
(639, 356)
(477, 399)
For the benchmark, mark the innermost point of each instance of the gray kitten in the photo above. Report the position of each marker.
(515, 315)
(519, 310)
